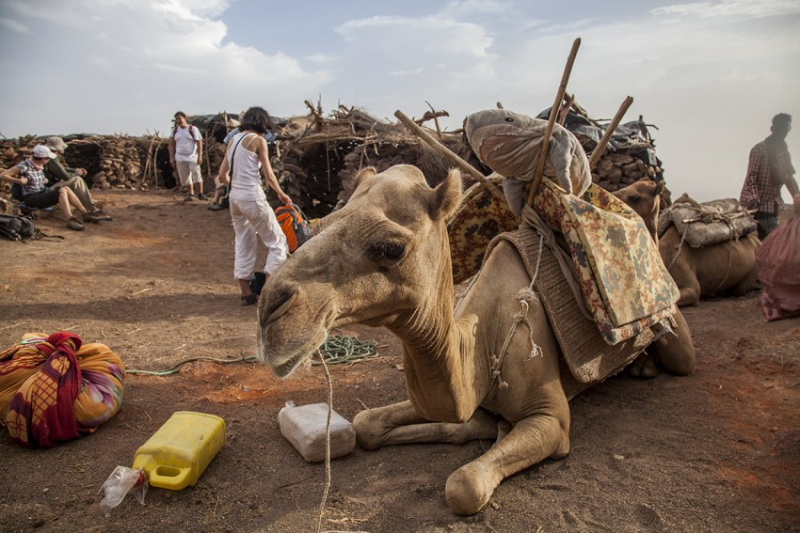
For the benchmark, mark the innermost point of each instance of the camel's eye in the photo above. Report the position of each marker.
(634, 200)
(386, 254)
(509, 119)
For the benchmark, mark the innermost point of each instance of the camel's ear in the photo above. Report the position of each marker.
(446, 196)
(361, 175)
(659, 189)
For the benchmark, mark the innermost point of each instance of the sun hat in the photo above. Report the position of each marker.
(57, 144)
(43, 151)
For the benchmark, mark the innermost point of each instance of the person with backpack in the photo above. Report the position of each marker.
(59, 176)
(30, 175)
(253, 218)
(185, 155)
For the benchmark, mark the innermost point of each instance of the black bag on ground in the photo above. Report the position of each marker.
(17, 228)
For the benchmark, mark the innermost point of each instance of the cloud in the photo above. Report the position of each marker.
(710, 75)
(728, 8)
(137, 61)
(436, 54)
(14, 25)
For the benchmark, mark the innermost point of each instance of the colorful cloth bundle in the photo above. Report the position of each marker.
(53, 389)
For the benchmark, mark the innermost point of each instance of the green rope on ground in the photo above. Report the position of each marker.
(337, 349)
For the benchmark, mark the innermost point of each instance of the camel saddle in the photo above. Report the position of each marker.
(707, 223)
(589, 357)
(624, 282)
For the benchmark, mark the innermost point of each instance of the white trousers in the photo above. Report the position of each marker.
(253, 219)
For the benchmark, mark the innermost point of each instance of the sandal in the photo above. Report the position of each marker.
(215, 207)
(96, 216)
(250, 299)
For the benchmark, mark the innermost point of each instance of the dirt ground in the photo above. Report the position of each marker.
(715, 451)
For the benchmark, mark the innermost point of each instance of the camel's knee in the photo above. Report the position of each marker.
(689, 296)
(675, 350)
(469, 488)
(746, 284)
(678, 363)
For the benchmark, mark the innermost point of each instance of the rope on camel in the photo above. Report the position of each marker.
(526, 297)
(337, 349)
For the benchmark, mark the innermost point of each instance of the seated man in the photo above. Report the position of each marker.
(59, 176)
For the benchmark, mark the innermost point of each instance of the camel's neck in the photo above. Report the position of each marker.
(445, 377)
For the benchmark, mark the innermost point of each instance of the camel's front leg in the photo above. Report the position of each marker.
(531, 440)
(400, 424)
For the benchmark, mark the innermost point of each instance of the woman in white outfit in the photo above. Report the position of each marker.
(247, 158)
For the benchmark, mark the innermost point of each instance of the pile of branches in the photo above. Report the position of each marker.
(316, 166)
(319, 154)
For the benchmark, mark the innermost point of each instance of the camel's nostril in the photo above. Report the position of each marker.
(277, 304)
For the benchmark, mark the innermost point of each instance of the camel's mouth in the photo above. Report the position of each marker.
(284, 361)
(290, 329)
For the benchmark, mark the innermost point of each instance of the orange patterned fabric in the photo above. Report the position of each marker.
(480, 218)
(53, 388)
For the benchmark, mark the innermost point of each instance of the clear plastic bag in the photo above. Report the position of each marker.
(122, 481)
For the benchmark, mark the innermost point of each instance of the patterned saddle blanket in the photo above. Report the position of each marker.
(622, 278)
(589, 357)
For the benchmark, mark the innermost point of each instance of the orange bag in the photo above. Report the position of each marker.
(295, 225)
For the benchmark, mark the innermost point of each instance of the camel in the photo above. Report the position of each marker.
(384, 260)
(644, 197)
(727, 266)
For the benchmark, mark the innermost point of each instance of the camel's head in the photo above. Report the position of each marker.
(644, 197)
(379, 260)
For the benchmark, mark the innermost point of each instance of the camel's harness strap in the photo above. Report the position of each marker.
(528, 295)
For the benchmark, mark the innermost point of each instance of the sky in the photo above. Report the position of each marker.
(710, 75)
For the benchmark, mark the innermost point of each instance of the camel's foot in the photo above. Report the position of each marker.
(469, 488)
(644, 367)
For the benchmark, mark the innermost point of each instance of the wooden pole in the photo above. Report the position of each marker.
(435, 120)
(562, 88)
(436, 145)
(597, 153)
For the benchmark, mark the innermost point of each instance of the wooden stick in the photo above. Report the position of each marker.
(565, 109)
(435, 120)
(597, 153)
(562, 88)
(436, 145)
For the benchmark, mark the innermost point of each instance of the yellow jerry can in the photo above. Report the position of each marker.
(179, 452)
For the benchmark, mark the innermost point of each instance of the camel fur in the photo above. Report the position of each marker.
(727, 266)
(384, 260)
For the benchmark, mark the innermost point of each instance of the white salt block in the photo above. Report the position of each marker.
(304, 426)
